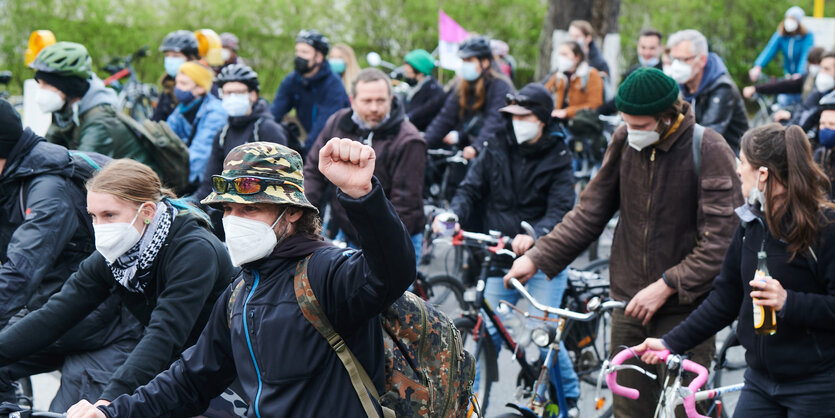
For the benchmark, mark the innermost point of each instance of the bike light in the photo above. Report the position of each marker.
(543, 336)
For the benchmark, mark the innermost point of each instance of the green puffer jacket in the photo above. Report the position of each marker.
(97, 128)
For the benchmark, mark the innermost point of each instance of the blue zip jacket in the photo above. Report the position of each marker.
(315, 100)
(285, 366)
(795, 50)
(209, 120)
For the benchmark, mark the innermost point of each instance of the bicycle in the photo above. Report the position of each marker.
(136, 99)
(728, 366)
(766, 106)
(11, 410)
(444, 292)
(673, 393)
(472, 325)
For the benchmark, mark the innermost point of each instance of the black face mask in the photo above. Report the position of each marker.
(411, 81)
(301, 65)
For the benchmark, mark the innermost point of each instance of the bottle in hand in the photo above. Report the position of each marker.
(765, 318)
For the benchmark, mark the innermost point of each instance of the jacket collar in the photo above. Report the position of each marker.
(389, 128)
(688, 122)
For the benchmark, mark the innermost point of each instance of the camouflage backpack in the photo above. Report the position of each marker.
(428, 373)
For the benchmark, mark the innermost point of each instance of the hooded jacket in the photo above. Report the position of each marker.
(240, 130)
(582, 90)
(315, 99)
(515, 187)
(41, 245)
(190, 271)
(400, 163)
(717, 102)
(473, 128)
(795, 50)
(261, 337)
(424, 105)
(91, 124)
(673, 223)
(804, 344)
(199, 134)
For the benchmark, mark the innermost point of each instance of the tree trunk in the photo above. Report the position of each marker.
(602, 14)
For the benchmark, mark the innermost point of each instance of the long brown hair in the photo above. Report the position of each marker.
(794, 216)
(477, 89)
(129, 180)
(801, 30)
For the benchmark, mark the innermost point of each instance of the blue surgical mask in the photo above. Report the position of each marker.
(652, 62)
(183, 96)
(337, 65)
(469, 71)
(827, 138)
(236, 105)
(172, 65)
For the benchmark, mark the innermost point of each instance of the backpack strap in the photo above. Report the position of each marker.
(312, 311)
(255, 135)
(698, 135)
(232, 298)
(222, 139)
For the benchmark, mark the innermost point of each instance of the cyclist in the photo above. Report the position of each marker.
(376, 118)
(524, 174)
(179, 47)
(312, 88)
(826, 139)
(230, 44)
(650, 49)
(471, 112)
(502, 57)
(575, 85)
(706, 84)
(426, 95)
(675, 220)
(805, 114)
(790, 373)
(83, 114)
(794, 40)
(285, 366)
(581, 31)
(44, 235)
(156, 255)
(344, 63)
(802, 85)
(198, 118)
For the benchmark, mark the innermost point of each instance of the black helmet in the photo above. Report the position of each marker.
(476, 46)
(240, 73)
(180, 41)
(315, 39)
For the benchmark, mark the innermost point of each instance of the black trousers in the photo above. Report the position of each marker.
(763, 397)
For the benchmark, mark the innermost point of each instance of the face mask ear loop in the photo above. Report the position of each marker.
(286, 230)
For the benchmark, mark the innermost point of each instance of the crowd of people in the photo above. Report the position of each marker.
(155, 303)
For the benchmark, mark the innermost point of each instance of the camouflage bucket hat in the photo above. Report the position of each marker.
(278, 165)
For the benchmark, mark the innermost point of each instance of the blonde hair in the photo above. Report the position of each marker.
(129, 180)
(352, 67)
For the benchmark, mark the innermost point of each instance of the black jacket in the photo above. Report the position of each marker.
(471, 131)
(41, 245)
(166, 102)
(807, 114)
(805, 340)
(290, 370)
(189, 273)
(240, 130)
(595, 58)
(537, 188)
(426, 103)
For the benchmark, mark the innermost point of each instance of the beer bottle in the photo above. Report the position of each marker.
(765, 318)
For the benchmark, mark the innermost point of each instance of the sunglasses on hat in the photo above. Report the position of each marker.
(246, 185)
(519, 99)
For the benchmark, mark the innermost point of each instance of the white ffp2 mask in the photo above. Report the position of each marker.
(114, 239)
(249, 240)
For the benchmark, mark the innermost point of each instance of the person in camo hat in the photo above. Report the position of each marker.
(257, 331)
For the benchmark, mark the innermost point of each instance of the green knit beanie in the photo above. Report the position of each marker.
(421, 61)
(647, 91)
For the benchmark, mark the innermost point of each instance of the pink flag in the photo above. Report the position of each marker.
(450, 30)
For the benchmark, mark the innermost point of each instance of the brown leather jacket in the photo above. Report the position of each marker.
(673, 222)
(401, 160)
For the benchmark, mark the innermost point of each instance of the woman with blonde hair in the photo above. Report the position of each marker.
(157, 254)
(343, 61)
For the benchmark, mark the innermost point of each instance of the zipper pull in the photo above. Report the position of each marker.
(652, 157)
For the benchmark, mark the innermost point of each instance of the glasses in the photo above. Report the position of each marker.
(247, 185)
(519, 99)
(685, 60)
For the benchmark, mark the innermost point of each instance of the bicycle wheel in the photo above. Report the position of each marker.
(446, 293)
(729, 370)
(487, 368)
(23, 392)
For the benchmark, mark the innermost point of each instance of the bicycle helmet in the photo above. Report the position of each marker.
(64, 59)
(315, 39)
(476, 46)
(239, 73)
(180, 41)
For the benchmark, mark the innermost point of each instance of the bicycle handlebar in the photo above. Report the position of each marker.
(564, 313)
(688, 365)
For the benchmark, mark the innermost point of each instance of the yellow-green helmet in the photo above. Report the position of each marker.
(64, 59)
